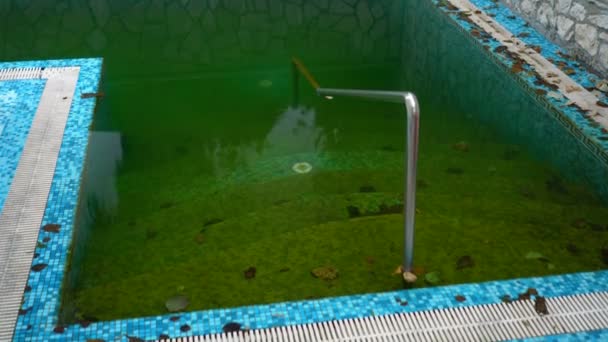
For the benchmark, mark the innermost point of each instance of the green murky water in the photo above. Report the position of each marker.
(191, 183)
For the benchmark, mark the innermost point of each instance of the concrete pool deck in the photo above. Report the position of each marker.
(54, 202)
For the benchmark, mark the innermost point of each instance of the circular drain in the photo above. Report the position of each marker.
(302, 167)
(265, 83)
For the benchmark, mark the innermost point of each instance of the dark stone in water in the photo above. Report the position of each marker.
(164, 337)
(460, 298)
(454, 171)
(579, 223)
(527, 192)
(388, 148)
(24, 311)
(184, 328)
(151, 234)
(573, 249)
(231, 327)
(555, 184)
(174, 318)
(510, 154)
(353, 211)
(166, 205)
(51, 228)
(604, 253)
(59, 329)
(540, 306)
(421, 184)
(39, 267)
(212, 222)
(46, 239)
(249, 273)
(465, 262)
(367, 188)
(387, 210)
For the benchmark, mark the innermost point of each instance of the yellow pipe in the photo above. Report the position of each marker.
(302, 69)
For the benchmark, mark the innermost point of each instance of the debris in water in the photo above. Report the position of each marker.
(465, 262)
(604, 254)
(39, 267)
(460, 298)
(418, 270)
(432, 278)
(579, 223)
(540, 306)
(51, 228)
(409, 277)
(555, 184)
(325, 273)
(177, 303)
(455, 171)
(166, 205)
(534, 255)
(91, 95)
(302, 167)
(135, 339)
(367, 188)
(506, 299)
(184, 328)
(59, 329)
(353, 211)
(573, 249)
(461, 146)
(212, 222)
(231, 327)
(174, 318)
(265, 83)
(250, 272)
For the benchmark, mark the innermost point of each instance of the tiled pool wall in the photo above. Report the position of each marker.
(39, 317)
(442, 61)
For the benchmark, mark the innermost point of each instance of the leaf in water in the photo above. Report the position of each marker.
(534, 255)
(176, 303)
(432, 278)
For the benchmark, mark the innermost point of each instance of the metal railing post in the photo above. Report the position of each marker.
(411, 147)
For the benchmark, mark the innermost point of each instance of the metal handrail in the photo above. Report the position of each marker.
(412, 133)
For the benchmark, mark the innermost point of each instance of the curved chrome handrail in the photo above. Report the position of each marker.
(412, 133)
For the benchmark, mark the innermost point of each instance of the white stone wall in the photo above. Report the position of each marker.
(581, 26)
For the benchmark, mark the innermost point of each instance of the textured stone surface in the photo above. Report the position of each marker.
(586, 36)
(577, 25)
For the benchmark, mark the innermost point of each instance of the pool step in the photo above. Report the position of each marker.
(490, 322)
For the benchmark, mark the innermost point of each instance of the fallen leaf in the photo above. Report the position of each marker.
(432, 278)
(177, 303)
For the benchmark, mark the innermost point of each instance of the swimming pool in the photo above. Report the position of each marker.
(193, 191)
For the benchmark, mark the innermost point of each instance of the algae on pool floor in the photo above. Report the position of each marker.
(196, 217)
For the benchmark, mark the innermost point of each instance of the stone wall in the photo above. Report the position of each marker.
(581, 26)
(174, 34)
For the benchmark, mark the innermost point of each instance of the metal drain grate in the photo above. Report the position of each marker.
(492, 322)
(20, 74)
